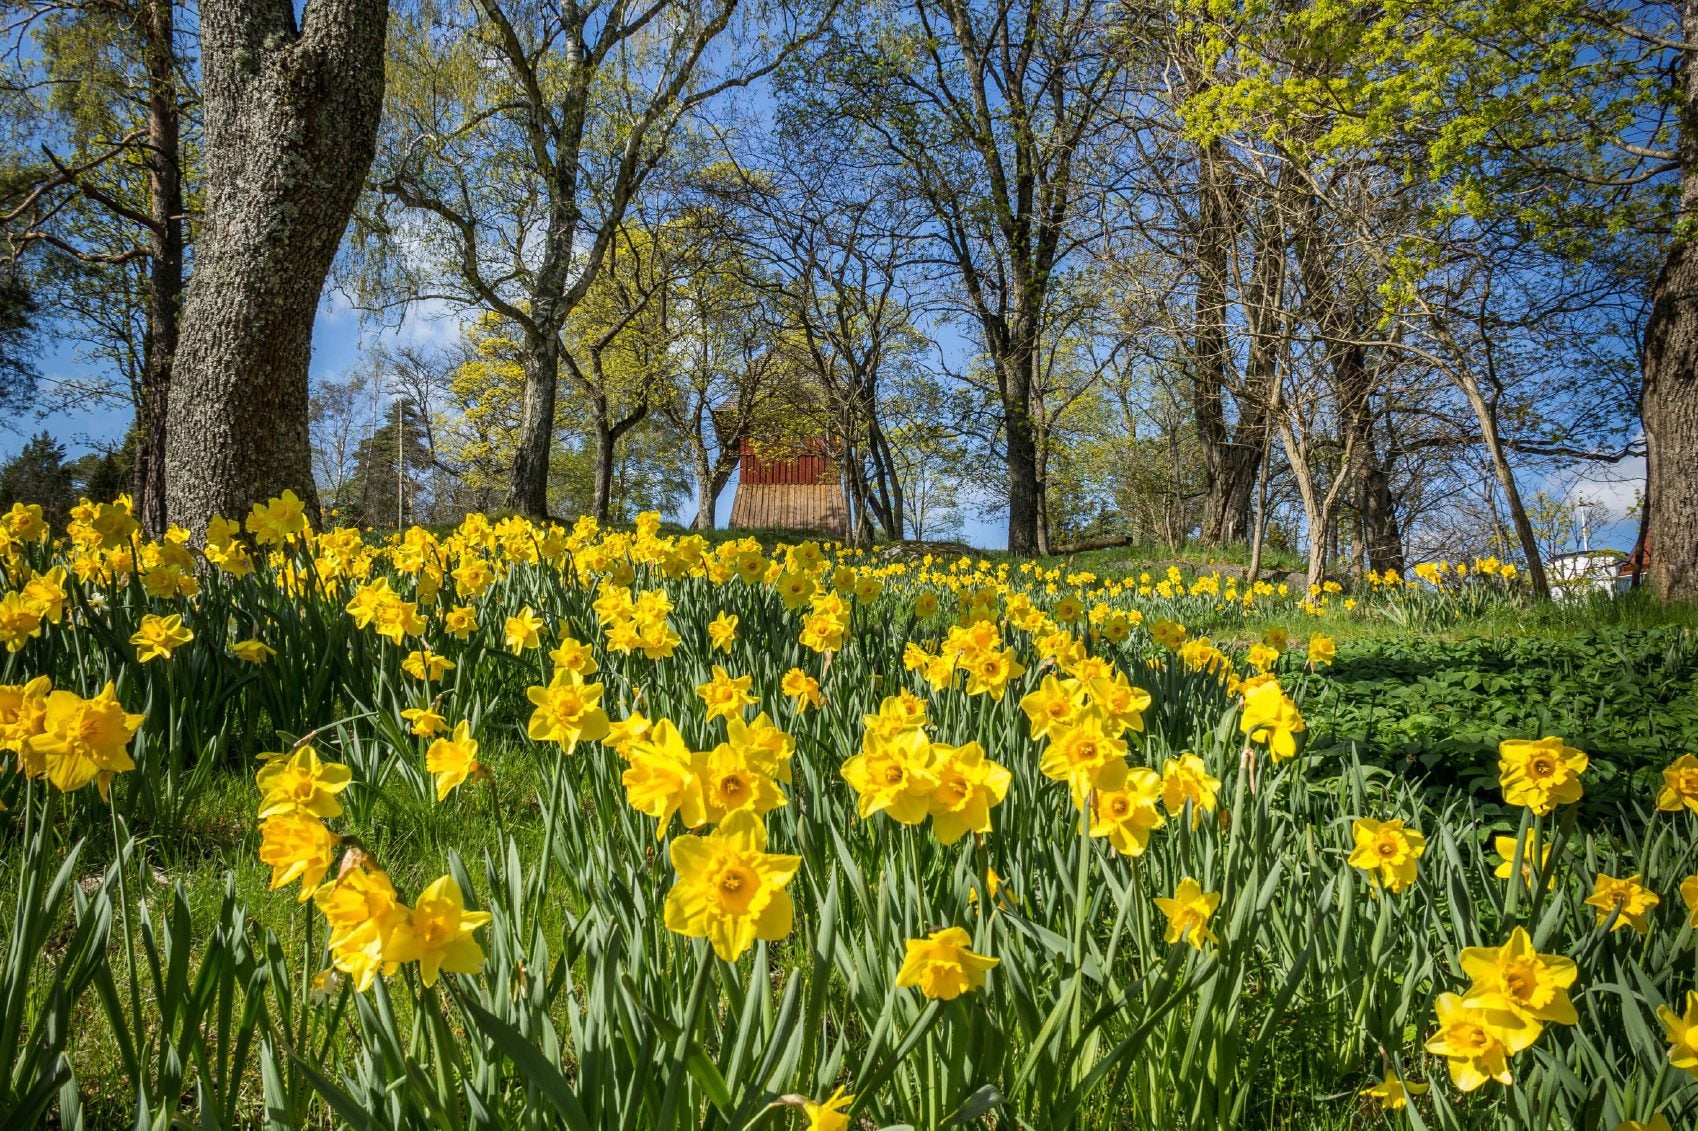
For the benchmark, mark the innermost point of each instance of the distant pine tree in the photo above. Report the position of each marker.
(369, 498)
(39, 474)
(103, 476)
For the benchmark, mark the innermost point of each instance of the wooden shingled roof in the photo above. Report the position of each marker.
(798, 492)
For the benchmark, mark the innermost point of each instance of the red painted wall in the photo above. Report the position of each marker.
(812, 467)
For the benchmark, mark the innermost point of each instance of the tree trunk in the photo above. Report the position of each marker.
(607, 435)
(291, 125)
(706, 494)
(884, 465)
(1383, 540)
(1259, 524)
(601, 501)
(1382, 537)
(1023, 514)
(1670, 400)
(1486, 414)
(1231, 454)
(165, 266)
(1209, 356)
(528, 493)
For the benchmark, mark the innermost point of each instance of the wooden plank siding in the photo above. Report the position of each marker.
(801, 492)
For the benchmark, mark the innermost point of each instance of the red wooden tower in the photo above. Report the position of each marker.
(798, 491)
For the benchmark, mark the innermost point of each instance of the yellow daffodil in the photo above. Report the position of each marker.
(1271, 718)
(362, 910)
(830, 1115)
(722, 631)
(794, 589)
(1658, 1122)
(625, 733)
(1125, 808)
(726, 696)
(302, 783)
(731, 781)
(297, 846)
(969, 786)
(1628, 900)
(1080, 754)
(460, 622)
(1680, 786)
(730, 890)
(1053, 705)
(767, 748)
(426, 665)
(157, 637)
(425, 721)
(1322, 651)
(20, 621)
(437, 934)
(1505, 847)
(1188, 912)
(574, 656)
(453, 759)
(1387, 851)
(252, 651)
(46, 591)
(1681, 1031)
(893, 774)
(1121, 705)
(274, 521)
(991, 672)
(522, 632)
(1516, 979)
(83, 740)
(23, 714)
(1187, 779)
(1473, 1043)
(942, 967)
(1540, 773)
(824, 631)
(568, 711)
(803, 688)
(665, 777)
(1168, 633)
(1392, 1093)
(1688, 896)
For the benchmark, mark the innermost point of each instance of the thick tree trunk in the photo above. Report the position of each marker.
(1670, 399)
(1022, 452)
(601, 499)
(1381, 534)
(1232, 453)
(1383, 540)
(528, 493)
(165, 266)
(291, 125)
(1209, 356)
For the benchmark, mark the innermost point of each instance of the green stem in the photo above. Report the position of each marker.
(124, 910)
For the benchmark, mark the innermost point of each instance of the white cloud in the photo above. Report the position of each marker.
(430, 324)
